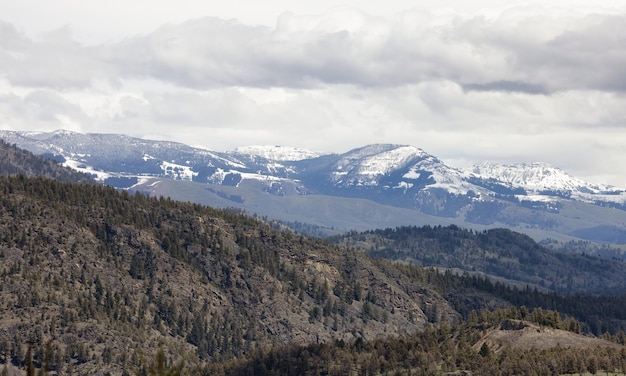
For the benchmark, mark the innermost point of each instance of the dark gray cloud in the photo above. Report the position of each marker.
(507, 86)
(587, 57)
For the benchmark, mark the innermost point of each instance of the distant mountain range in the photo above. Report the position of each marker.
(374, 186)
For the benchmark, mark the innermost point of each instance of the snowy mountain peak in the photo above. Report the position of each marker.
(379, 158)
(375, 160)
(364, 166)
(279, 153)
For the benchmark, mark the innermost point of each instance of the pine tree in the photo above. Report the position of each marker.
(160, 368)
(30, 368)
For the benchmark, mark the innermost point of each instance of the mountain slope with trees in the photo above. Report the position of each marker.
(486, 344)
(104, 274)
(496, 252)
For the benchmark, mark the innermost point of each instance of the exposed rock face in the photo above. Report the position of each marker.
(512, 325)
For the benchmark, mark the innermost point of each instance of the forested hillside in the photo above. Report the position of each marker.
(497, 252)
(104, 275)
(100, 277)
(14, 161)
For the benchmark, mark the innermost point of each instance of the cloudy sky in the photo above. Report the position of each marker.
(467, 81)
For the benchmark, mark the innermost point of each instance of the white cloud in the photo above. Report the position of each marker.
(39, 109)
(514, 52)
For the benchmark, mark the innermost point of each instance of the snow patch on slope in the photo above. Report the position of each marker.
(81, 167)
(449, 178)
(220, 176)
(178, 172)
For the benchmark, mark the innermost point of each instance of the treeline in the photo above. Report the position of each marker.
(585, 247)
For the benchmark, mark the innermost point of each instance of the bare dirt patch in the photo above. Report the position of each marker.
(517, 334)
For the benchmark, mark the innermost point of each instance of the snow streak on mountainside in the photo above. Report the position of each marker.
(448, 178)
(278, 153)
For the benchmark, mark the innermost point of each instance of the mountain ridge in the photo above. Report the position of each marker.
(538, 177)
(400, 176)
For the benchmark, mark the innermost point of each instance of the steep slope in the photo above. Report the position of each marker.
(102, 275)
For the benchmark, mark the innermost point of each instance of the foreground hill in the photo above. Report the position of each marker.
(104, 275)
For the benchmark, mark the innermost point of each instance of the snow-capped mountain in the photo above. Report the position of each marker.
(367, 165)
(398, 176)
(403, 167)
(379, 168)
(544, 179)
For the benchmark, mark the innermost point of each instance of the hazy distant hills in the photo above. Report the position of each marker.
(500, 253)
(374, 186)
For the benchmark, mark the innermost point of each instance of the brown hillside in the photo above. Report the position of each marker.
(523, 335)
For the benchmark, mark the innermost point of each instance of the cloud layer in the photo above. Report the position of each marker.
(513, 53)
(531, 84)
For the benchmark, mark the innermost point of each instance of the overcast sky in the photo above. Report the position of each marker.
(467, 81)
